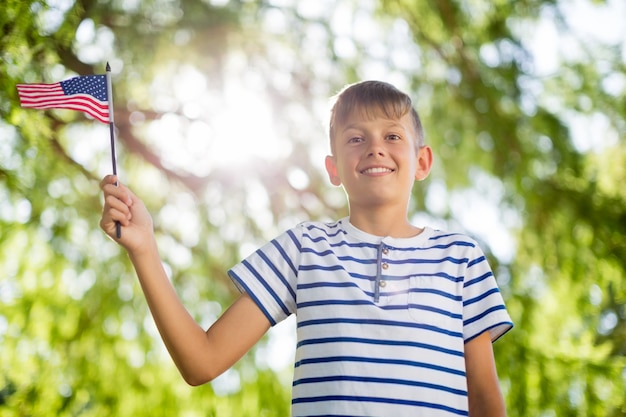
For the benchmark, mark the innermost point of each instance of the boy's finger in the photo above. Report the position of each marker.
(108, 179)
(120, 192)
(118, 216)
(113, 202)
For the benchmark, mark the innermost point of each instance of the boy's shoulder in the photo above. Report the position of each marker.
(450, 237)
(321, 225)
(320, 228)
(342, 228)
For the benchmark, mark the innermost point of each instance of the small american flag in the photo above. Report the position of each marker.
(86, 93)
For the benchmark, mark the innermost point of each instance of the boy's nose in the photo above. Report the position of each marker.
(375, 148)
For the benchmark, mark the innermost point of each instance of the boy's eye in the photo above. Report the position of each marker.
(393, 137)
(355, 139)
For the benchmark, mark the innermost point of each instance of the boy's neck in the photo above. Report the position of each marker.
(384, 223)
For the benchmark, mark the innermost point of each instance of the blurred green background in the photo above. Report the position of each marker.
(220, 108)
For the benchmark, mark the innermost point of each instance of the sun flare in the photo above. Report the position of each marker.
(212, 129)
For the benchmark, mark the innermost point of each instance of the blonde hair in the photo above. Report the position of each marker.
(372, 98)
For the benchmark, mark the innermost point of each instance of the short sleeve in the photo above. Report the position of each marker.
(483, 306)
(269, 275)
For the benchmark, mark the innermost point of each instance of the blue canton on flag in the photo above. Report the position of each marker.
(94, 85)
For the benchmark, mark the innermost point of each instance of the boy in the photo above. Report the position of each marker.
(392, 319)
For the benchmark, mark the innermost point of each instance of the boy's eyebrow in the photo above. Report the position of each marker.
(350, 126)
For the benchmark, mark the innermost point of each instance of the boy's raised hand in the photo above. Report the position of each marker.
(121, 205)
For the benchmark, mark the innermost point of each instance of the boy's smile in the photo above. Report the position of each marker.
(376, 171)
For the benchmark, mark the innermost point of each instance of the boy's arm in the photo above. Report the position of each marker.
(200, 356)
(485, 398)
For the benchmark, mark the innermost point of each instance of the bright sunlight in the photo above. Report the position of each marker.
(209, 127)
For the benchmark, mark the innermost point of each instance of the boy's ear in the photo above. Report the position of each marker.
(424, 162)
(331, 169)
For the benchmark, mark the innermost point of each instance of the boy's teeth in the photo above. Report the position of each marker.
(376, 170)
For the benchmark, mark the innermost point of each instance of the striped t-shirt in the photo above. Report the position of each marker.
(381, 321)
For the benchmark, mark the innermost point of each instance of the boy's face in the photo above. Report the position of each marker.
(377, 159)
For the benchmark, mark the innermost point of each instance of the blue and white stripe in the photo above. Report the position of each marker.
(382, 322)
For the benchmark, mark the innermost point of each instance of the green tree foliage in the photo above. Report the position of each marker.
(219, 109)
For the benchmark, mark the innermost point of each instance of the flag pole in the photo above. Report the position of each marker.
(118, 226)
